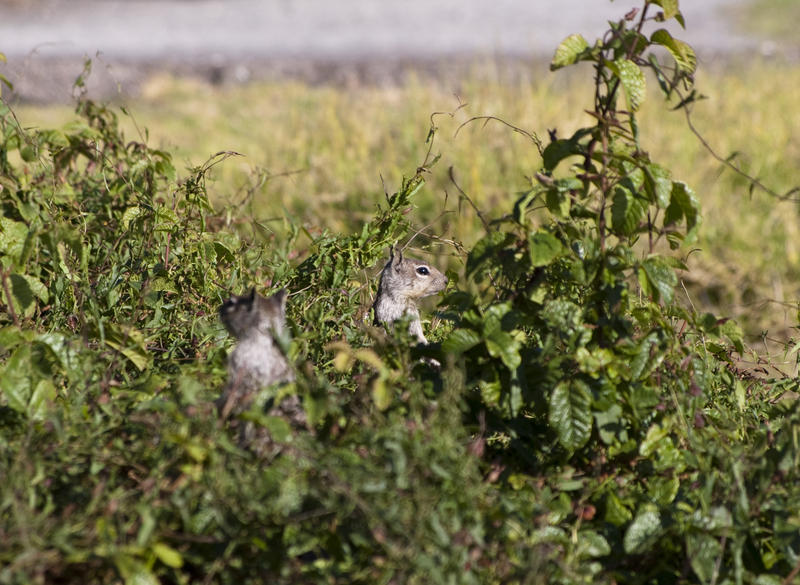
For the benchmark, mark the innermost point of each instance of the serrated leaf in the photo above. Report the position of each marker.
(658, 184)
(632, 80)
(15, 379)
(658, 278)
(642, 356)
(12, 238)
(544, 247)
(570, 414)
(683, 204)
(131, 214)
(642, 532)
(626, 212)
(569, 51)
(683, 54)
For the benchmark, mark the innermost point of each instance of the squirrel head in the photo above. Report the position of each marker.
(252, 313)
(410, 278)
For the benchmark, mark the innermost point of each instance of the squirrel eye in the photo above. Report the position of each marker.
(423, 270)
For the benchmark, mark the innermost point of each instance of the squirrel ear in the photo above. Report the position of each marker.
(280, 296)
(396, 256)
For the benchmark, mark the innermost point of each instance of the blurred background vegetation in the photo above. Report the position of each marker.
(325, 154)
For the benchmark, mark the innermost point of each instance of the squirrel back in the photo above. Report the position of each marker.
(403, 282)
(257, 360)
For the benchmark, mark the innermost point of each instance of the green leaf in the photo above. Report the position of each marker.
(494, 316)
(643, 531)
(655, 435)
(592, 544)
(569, 51)
(12, 238)
(544, 248)
(460, 340)
(133, 571)
(632, 80)
(616, 512)
(683, 204)
(683, 54)
(704, 553)
(168, 555)
(626, 212)
(503, 345)
(610, 425)
(132, 214)
(54, 138)
(658, 278)
(641, 357)
(669, 7)
(734, 333)
(16, 379)
(279, 429)
(43, 395)
(485, 251)
(658, 185)
(24, 392)
(130, 342)
(553, 154)
(590, 362)
(663, 490)
(570, 414)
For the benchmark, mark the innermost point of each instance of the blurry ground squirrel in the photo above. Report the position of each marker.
(403, 282)
(257, 360)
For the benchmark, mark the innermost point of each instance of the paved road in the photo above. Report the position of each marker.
(330, 29)
(46, 39)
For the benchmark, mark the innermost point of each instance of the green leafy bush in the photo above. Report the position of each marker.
(584, 426)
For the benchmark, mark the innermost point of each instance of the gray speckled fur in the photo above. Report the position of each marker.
(257, 360)
(403, 283)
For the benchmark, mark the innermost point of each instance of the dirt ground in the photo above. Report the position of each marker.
(371, 41)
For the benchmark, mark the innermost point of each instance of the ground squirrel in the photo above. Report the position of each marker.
(257, 360)
(403, 282)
